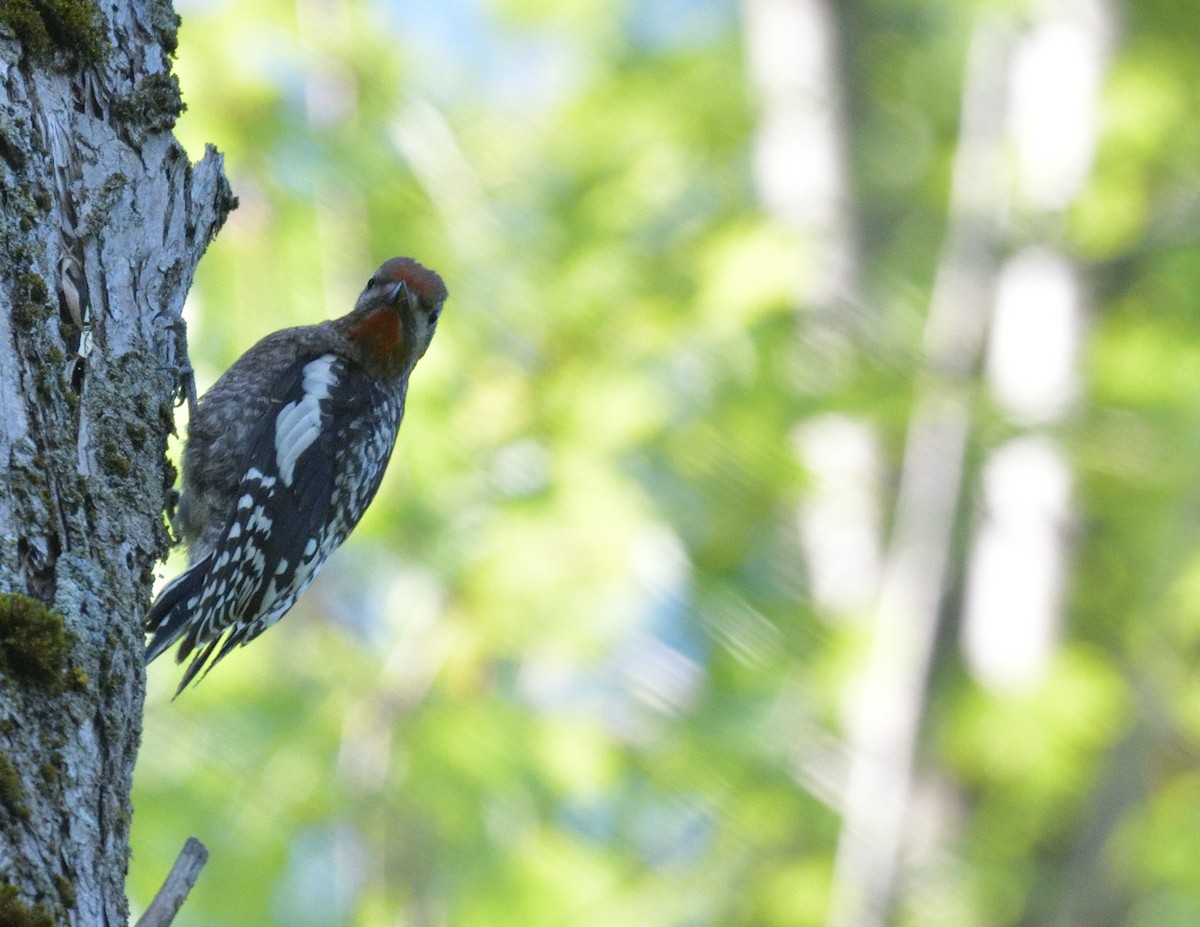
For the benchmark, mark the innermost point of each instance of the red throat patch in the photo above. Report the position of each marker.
(379, 333)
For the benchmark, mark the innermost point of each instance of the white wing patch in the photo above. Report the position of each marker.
(299, 423)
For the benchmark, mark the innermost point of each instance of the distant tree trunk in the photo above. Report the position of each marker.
(102, 223)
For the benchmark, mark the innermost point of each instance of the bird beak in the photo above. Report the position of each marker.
(401, 291)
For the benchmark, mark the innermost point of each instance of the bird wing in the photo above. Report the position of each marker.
(291, 507)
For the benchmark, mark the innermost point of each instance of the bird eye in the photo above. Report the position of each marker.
(370, 283)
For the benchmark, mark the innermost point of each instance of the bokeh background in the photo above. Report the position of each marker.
(796, 519)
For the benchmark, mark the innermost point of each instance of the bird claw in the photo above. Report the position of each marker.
(185, 387)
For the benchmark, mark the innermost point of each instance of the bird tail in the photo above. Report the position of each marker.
(171, 613)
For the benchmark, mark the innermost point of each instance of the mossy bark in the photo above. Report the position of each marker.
(102, 222)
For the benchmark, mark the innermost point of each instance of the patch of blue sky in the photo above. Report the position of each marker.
(461, 50)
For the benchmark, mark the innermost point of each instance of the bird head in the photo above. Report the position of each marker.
(396, 315)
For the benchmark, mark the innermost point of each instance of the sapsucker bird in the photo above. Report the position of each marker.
(283, 455)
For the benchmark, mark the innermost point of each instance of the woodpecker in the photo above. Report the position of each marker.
(284, 454)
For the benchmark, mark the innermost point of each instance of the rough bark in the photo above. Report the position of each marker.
(102, 222)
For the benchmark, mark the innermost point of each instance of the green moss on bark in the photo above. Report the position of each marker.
(153, 107)
(10, 149)
(12, 792)
(165, 21)
(66, 892)
(103, 203)
(34, 643)
(31, 302)
(16, 912)
(74, 28)
(114, 461)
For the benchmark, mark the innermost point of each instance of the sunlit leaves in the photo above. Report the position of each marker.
(567, 671)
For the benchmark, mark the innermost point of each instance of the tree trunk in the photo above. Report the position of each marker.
(102, 222)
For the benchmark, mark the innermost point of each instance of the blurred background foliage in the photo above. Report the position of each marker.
(593, 656)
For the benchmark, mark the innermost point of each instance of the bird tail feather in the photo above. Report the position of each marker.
(172, 610)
